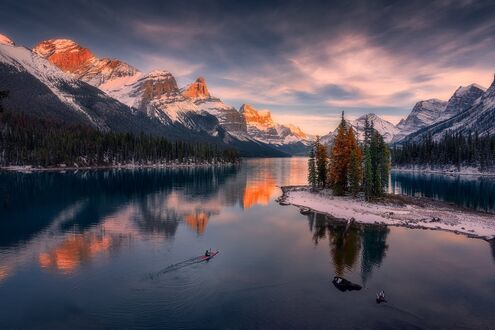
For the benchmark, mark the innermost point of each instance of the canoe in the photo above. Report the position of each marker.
(212, 254)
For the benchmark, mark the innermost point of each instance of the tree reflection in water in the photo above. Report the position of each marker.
(348, 244)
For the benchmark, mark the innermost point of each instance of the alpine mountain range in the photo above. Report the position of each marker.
(61, 80)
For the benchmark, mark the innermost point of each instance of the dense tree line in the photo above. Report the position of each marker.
(452, 149)
(351, 167)
(28, 141)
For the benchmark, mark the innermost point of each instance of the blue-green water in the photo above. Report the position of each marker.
(471, 191)
(90, 249)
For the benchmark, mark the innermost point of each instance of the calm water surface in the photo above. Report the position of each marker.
(91, 249)
(471, 191)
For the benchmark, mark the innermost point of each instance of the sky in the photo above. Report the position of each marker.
(305, 61)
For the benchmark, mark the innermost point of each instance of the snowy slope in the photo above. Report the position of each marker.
(229, 118)
(480, 117)
(72, 58)
(39, 88)
(385, 128)
(424, 113)
(261, 126)
(4, 40)
(463, 98)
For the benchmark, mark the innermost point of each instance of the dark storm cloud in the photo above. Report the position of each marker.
(316, 56)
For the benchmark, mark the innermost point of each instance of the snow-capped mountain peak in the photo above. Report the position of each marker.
(423, 114)
(297, 131)
(475, 113)
(4, 40)
(384, 127)
(262, 127)
(261, 119)
(72, 58)
(230, 119)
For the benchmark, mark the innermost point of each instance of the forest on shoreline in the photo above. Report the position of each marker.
(27, 141)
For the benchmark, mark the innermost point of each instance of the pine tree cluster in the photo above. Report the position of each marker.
(41, 143)
(452, 149)
(351, 167)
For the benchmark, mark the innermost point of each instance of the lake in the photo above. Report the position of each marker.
(118, 248)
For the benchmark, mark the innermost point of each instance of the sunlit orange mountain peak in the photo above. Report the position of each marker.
(72, 58)
(4, 40)
(197, 90)
(262, 118)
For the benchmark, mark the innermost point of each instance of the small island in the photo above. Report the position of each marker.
(349, 183)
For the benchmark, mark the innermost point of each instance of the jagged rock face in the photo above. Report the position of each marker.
(40, 89)
(384, 127)
(155, 85)
(72, 58)
(431, 113)
(4, 40)
(197, 90)
(480, 118)
(424, 114)
(229, 118)
(261, 119)
(65, 54)
(296, 131)
(463, 99)
(261, 126)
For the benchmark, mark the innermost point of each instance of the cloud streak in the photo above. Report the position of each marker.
(305, 61)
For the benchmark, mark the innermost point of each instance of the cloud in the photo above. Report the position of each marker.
(305, 61)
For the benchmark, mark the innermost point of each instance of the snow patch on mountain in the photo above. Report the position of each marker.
(424, 113)
(384, 127)
(25, 60)
(261, 126)
(480, 118)
(72, 58)
(229, 118)
(4, 40)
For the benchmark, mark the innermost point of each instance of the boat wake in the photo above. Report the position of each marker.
(180, 265)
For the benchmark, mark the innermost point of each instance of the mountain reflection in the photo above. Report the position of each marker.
(349, 244)
(64, 220)
(259, 192)
(77, 249)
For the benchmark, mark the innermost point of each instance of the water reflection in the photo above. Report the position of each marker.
(350, 243)
(464, 190)
(492, 246)
(78, 249)
(63, 220)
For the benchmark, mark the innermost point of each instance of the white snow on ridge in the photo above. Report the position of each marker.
(4, 40)
(25, 60)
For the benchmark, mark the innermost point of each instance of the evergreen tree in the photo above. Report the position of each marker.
(321, 163)
(467, 149)
(339, 160)
(355, 168)
(312, 176)
(368, 168)
(30, 141)
(376, 163)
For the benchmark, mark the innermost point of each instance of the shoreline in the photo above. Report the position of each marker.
(393, 210)
(30, 169)
(450, 172)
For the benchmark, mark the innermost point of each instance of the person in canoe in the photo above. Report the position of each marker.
(207, 253)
